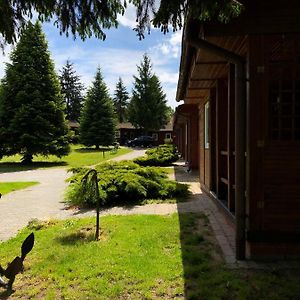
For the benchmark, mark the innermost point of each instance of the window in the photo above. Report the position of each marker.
(117, 134)
(168, 136)
(206, 125)
(155, 136)
(284, 90)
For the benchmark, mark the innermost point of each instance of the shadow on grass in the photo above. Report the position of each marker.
(82, 236)
(92, 150)
(16, 166)
(5, 294)
(201, 254)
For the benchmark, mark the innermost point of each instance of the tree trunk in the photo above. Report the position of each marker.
(27, 158)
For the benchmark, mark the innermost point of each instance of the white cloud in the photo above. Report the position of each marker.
(115, 61)
(129, 17)
(4, 59)
(172, 46)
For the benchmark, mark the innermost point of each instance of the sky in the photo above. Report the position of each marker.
(117, 56)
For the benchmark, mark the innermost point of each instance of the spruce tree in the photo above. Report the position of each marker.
(31, 112)
(71, 88)
(147, 109)
(97, 122)
(121, 101)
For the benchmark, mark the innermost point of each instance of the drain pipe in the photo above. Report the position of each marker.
(240, 133)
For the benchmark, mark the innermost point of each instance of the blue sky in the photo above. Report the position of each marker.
(117, 56)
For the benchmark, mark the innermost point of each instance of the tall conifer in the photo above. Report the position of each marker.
(72, 91)
(97, 122)
(121, 100)
(31, 112)
(147, 109)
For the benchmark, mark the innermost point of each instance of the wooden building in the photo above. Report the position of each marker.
(240, 121)
(126, 131)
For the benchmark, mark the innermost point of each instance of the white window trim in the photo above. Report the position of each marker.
(168, 136)
(206, 125)
(155, 136)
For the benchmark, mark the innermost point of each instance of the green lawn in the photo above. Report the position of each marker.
(138, 257)
(79, 156)
(7, 187)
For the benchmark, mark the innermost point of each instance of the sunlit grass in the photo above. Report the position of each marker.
(79, 156)
(7, 187)
(138, 257)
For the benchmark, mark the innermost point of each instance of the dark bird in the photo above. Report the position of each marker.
(16, 266)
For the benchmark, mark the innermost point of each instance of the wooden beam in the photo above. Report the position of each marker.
(211, 63)
(202, 79)
(230, 139)
(240, 166)
(198, 88)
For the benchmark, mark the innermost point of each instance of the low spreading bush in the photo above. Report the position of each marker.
(163, 155)
(124, 183)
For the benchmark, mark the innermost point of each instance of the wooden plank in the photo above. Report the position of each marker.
(230, 138)
(212, 165)
(221, 137)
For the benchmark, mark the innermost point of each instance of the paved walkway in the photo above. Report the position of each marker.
(42, 201)
(45, 201)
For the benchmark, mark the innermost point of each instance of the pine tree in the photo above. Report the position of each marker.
(147, 109)
(72, 91)
(31, 112)
(97, 122)
(121, 101)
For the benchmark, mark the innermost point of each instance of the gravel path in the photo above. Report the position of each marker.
(42, 201)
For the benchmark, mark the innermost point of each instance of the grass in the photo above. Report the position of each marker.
(79, 156)
(138, 257)
(168, 170)
(7, 187)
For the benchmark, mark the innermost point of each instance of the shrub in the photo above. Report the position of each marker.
(123, 183)
(163, 155)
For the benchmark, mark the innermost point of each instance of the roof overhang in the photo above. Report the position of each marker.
(201, 68)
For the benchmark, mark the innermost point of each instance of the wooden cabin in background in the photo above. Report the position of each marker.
(240, 122)
(126, 131)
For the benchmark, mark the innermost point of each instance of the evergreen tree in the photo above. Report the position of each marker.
(97, 122)
(31, 112)
(147, 109)
(121, 101)
(72, 91)
(90, 17)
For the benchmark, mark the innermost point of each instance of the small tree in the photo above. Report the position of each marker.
(121, 101)
(97, 122)
(31, 112)
(147, 109)
(72, 91)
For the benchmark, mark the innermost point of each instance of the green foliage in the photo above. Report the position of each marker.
(172, 13)
(80, 18)
(124, 182)
(31, 111)
(147, 109)
(163, 155)
(121, 101)
(97, 122)
(71, 88)
(86, 18)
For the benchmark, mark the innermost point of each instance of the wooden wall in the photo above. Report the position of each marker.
(273, 165)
